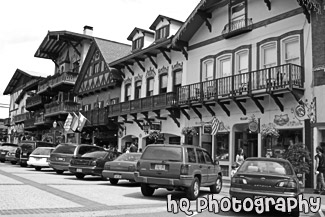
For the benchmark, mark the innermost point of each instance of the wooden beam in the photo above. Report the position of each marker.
(145, 114)
(152, 60)
(185, 114)
(138, 123)
(139, 64)
(174, 115)
(257, 102)
(125, 117)
(208, 108)
(205, 16)
(268, 4)
(222, 105)
(297, 94)
(130, 70)
(240, 105)
(157, 112)
(197, 112)
(277, 101)
(134, 115)
(128, 122)
(73, 46)
(163, 51)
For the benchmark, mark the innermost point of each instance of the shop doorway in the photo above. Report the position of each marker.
(246, 140)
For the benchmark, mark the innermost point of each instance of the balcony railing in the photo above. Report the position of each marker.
(237, 27)
(21, 117)
(57, 108)
(143, 104)
(34, 101)
(41, 120)
(29, 123)
(65, 79)
(274, 78)
(7, 122)
(96, 117)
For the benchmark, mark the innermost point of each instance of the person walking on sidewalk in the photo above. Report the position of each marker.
(320, 170)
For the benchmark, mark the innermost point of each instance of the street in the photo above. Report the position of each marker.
(26, 192)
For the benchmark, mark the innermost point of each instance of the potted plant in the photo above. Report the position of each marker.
(189, 131)
(299, 156)
(156, 137)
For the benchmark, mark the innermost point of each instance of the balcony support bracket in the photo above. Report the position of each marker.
(277, 100)
(197, 112)
(152, 60)
(205, 16)
(130, 70)
(157, 112)
(140, 65)
(209, 109)
(240, 105)
(185, 113)
(256, 100)
(268, 4)
(174, 114)
(139, 123)
(74, 47)
(163, 51)
(222, 105)
(297, 94)
(125, 117)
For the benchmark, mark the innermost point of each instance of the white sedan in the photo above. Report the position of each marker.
(39, 157)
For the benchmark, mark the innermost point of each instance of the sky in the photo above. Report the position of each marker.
(24, 25)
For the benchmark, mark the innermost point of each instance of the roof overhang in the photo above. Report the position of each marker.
(136, 30)
(54, 42)
(14, 81)
(160, 18)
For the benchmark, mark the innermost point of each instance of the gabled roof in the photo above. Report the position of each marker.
(18, 75)
(195, 20)
(136, 30)
(55, 41)
(160, 18)
(110, 51)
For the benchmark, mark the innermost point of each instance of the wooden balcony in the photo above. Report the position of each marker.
(58, 82)
(161, 101)
(35, 102)
(41, 120)
(7, 122)
(21, 117)
(59, 108)
(275, 79)
(29, 123)
(237, 27)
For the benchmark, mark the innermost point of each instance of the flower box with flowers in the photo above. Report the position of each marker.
(189, 131)
(269, 131)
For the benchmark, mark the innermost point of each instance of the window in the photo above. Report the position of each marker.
(163, 83)
(163, 32)
(137, 91)
(127, 92)
(137, 43)
(200, 156)
(86, 107)
(98, 105)
(207, 71)
(291, 50)
(222, 146)
(96, 68)
(242, 62)
(268, 55)
(191, 155)
(114, 101)
(177, 80)
(150, 83)
(237, 10)
(224, 66)
(207, 157)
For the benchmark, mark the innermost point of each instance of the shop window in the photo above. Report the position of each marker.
(222, 146)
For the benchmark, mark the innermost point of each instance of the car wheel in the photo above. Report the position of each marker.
(193, 191)
(80, 176)
(13, 162)
(2, 161)
(113, 181)
(146, 190)
(59, 171)
(38, 168)
(217, 186)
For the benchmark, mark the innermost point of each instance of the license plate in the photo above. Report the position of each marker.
(61, 159)
(117, 176)
(79, 170)
(159, 167)
(3, 152)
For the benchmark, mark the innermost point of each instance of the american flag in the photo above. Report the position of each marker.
(215, 126)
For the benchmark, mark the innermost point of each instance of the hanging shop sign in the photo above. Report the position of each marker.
(207, 129)
(253, 127)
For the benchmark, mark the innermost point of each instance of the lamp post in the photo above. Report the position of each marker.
(55, 124)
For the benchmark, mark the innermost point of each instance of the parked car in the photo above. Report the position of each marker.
(175, 167)
(61, 156)
(39, 157)
(27, 147)
(91, 163)
(122, 167)
(270, 177)
(6, 148)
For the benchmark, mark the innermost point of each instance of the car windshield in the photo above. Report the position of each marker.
(266, 167)
(162, 153)
(129, 157)
(65, 149)
(42, 151)
(9, 144)
(88, 148)
(27, 146)
(96, 154)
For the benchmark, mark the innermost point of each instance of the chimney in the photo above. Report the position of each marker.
(88, 30)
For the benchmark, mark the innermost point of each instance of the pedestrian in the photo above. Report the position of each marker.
(133, 148)
(240, 157)
(320, 171)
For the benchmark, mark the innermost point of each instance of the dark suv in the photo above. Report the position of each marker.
(27, 147)
(177, 167)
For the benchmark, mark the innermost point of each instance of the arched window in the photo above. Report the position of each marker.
(137, 90)
(290, 50)
(177, 81)
(207, 70)
(127, 92)
(268, 55)
(150, 86)
(163, 81)
(224, 66)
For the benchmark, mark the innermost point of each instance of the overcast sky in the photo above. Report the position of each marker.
(24, 24)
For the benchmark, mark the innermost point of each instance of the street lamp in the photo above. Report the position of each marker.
(55, 124)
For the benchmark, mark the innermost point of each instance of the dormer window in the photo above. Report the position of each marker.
(162, 32)
(137, 43)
